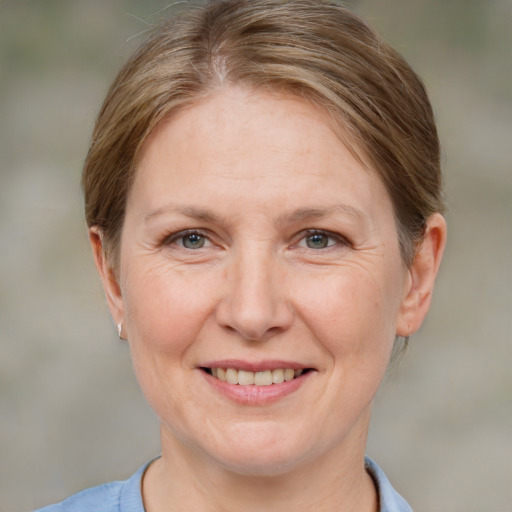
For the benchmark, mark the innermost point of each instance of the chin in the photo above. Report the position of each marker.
(260, 465)
(257, 450)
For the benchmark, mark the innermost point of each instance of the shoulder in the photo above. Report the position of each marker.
(104, 498)
(389, 499)
(122, 496)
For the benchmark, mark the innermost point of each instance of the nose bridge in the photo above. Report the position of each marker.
(254, 304)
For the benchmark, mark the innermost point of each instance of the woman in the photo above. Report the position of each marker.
(263, 196)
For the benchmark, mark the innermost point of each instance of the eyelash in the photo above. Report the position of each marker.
(182, 235)
(332, 239)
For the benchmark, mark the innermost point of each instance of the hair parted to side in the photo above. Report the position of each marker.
(317, 49)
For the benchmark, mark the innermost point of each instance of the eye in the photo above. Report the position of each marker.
(189, 240)
(320, 240)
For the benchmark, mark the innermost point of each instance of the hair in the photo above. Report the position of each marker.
(318, 50)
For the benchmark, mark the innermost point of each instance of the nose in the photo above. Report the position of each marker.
(254, 303)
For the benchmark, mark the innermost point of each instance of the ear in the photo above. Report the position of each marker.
(421, 277)
(107, 275)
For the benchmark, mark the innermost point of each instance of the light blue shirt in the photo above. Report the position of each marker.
(126, 496)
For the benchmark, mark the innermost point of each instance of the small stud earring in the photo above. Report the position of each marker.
(119, 330)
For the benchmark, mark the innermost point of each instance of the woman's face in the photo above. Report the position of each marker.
(254, 245)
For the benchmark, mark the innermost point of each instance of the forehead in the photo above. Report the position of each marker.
(252, 141)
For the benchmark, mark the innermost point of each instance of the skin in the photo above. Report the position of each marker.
(252, 173)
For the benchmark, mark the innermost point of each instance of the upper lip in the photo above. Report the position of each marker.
(252, 366)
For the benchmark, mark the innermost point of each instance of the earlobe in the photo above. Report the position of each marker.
(422, 275)
(108, 276)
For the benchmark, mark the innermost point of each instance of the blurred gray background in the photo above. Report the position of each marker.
(71, 414)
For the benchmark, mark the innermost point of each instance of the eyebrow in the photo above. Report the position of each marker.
(193, 212)
(318, 213)
(300, 214)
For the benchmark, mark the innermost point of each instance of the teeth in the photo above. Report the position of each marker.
(277, 376)
(245, 378)
(264, 378)
(289, 374)
(232, 376)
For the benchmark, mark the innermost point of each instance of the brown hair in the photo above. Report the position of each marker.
(317, 49)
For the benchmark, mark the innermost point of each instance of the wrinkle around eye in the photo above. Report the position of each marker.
(172, 246)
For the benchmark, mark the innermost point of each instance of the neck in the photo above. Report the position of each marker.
(182, 480)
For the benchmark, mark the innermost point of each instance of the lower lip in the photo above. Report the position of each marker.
(256, 395)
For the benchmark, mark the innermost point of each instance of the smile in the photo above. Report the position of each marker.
(261, 378)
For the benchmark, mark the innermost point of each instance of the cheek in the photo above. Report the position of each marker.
(165, 307)
(352, 313)
(165, 310)
(164, 313)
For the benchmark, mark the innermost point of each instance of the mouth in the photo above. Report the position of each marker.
(259, 378)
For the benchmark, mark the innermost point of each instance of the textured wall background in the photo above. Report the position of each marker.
(71, 414)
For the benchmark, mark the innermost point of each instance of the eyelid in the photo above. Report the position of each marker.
(301, 237)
